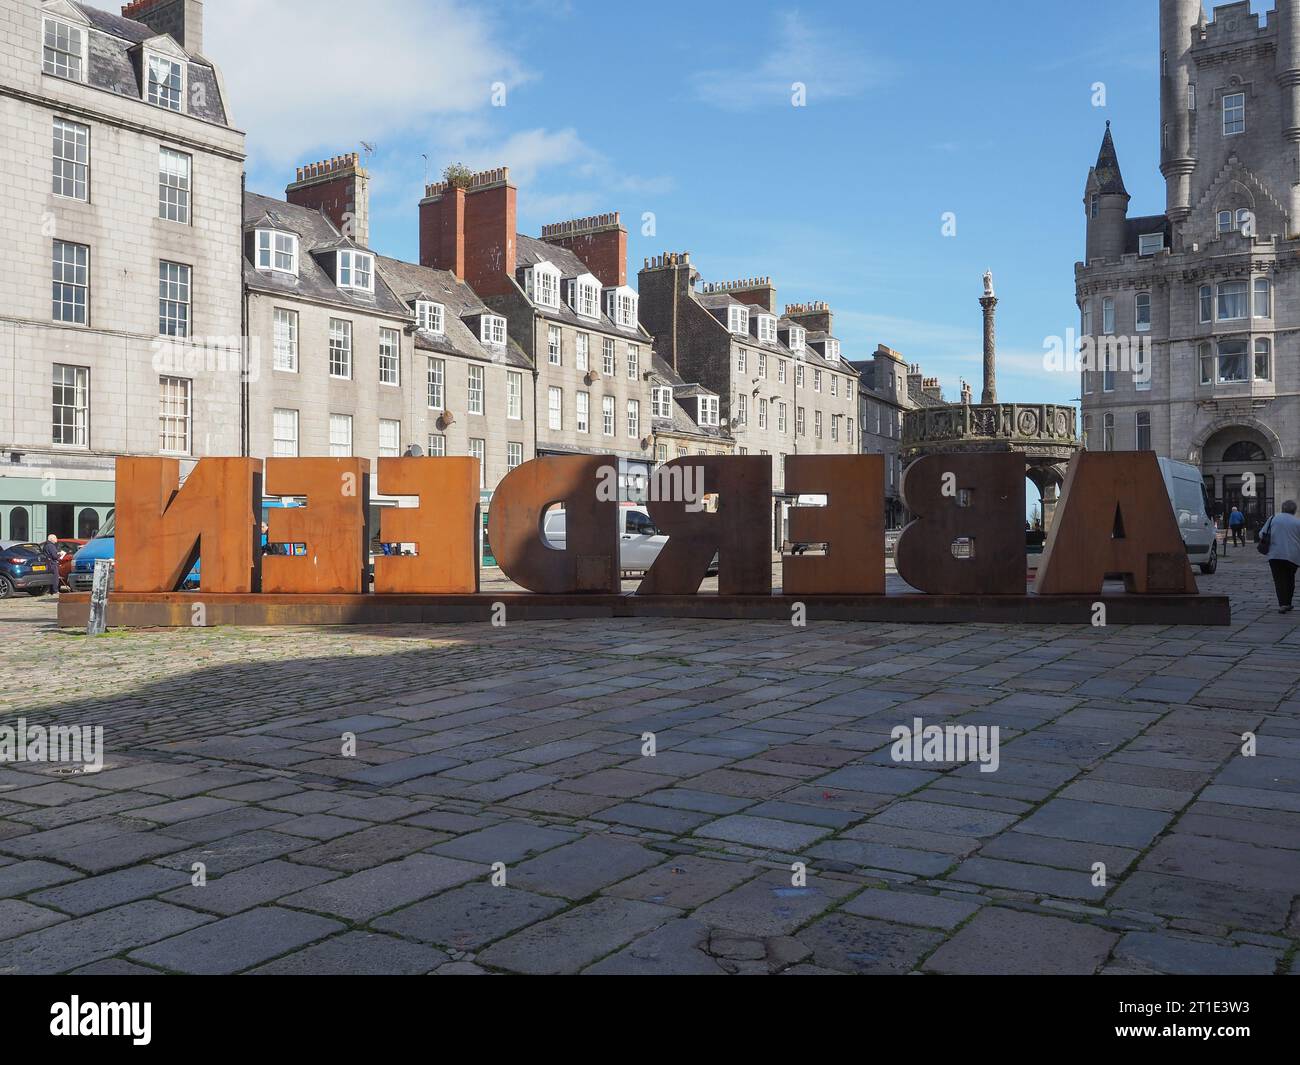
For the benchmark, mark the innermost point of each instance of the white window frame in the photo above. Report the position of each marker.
(476, 386)
(633, 362)
(582, 412)
(514, 454)
(50, 53)
(554, 345)
(1205, 301)
(284, 421)
(437, 445)
(71, 280)
(767, 328)
(1150, 243)
(478, 450)
(832, 349)
(175, 295)
(340, 448)
(608, 356)
(1242, 298)
(175, 422)
(708, 410)
(277, 251)
(1108, 315)
(633, 419)
(738, 319)
(586, 297)
(284, 340)
(797, 339)
(555, 409)
(514, 395)
(1262, 348)
(1262, 294)
(1234, 114)
(435, 378)
(492, 330)
(175, 180)
(431, 316)
(356, 270)
(71, 165)
(780, 371)
(542, 283)
(73, 428)
(661, 402)
(1142, 300)
(582, 351)
(390, 448)
(607, 415)
(157, 92)
(390, 357)
(340, 349)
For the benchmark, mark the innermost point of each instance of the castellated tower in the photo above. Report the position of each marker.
(1191, 316)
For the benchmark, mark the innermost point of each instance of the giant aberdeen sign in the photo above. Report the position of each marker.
(964, 552)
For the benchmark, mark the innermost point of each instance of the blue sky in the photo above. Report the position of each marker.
(684, 110)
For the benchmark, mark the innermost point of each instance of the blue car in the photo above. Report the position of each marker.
(82, 575)
(24, 569)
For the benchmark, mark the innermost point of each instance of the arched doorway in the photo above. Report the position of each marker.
(19, 529)
(87, 523)
(1048, 479)
(1237, 466)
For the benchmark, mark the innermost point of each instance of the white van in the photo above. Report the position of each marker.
(1192, 509)
(639, 541)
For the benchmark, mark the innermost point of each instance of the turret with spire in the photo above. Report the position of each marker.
(1105, 203)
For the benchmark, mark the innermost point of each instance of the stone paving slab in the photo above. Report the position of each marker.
(1120, 747)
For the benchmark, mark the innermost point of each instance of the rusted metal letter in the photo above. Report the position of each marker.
(851, 524)
(333, 525)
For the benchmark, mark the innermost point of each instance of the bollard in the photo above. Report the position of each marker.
(98, 620)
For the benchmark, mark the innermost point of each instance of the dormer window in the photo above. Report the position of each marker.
(492, 330)
(584, 296)
(542, 283)
(832, 349)
(767, 328)
(356, 270)
(708, 410)
(738, 319)
(277, 251)
(797, 339)
(621, 306)
(429, 316)
(662, 402)
(64, 53)
(164, 81)
(1150, 243)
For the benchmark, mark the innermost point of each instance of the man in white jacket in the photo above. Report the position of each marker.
(1283, 531)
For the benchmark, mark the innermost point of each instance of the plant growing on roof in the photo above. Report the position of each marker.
(458, 176)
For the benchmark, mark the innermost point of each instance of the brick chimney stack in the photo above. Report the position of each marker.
(756, 291)
(814, 317)
(665, 285)
(183, 19)
(341, 188)
(600, 241)
(469, 228)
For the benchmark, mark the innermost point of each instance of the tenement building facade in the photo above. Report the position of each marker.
(120, 302)
(355, 353)
(1210, 288)
(564, 300)
(781, 384)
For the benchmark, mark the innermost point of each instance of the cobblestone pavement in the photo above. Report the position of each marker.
(523, 745)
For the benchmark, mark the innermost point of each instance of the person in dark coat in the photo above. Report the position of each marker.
(51, 553)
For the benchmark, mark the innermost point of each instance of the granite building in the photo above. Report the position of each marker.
(564, 300)
(362, 354)
(781, 384)
(120, 307)
(1210, 287)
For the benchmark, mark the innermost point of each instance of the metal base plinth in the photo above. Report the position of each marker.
(182, 609)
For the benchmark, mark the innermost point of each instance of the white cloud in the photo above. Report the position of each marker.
(304, 78)
(820, 57)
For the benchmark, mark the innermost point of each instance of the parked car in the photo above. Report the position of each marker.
(24, 569)
(1191, 506)
(82, 574)
(69, 549)
(640, 541)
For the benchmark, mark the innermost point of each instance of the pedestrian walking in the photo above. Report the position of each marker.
(52, 554)
(1280, 540)
(1237, 527)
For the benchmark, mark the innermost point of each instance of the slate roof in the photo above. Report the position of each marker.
(1135, 227)
(679, 420)
(114, 63)
(410, 282)
(1110, 182)
(315, 233)
(529, 251)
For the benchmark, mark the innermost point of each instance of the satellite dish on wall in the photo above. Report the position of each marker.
(414, 451)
